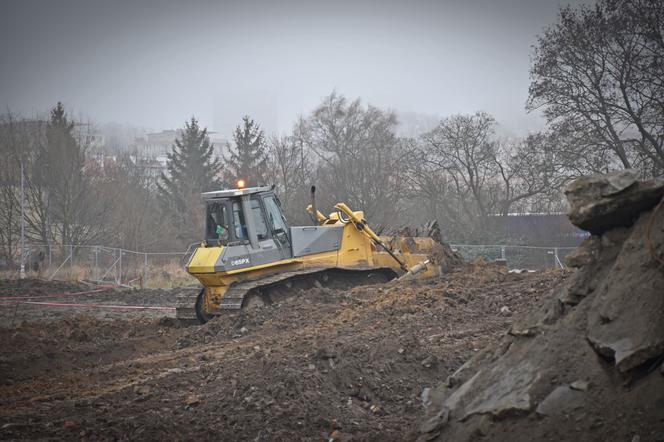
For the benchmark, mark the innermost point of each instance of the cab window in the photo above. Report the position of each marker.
(274, 216)
(259, 220)
(217, 222)
(238, 221)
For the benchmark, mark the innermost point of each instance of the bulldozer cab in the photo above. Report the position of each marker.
(249, 223)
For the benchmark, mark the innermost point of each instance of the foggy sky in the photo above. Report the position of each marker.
(157, 63)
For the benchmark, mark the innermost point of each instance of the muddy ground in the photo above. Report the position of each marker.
(342, 365)
(34, 300)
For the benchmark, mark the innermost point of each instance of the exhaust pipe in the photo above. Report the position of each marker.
(314, 210)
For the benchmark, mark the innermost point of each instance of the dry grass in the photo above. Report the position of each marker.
(172, 274)
(166, 275)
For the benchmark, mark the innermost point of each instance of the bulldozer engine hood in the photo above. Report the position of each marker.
(235, 257)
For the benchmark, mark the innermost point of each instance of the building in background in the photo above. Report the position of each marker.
(537, 229)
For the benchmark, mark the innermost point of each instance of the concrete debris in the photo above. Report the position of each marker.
(424, 396)
(602, 202)
(584, 254)
(526, 331)
(625, 322)
(562, 400)
(375, 409)
(436, 422)
(192, 400)
(507, 391)
(533, 322)
(429, 361)
(579, 385)
(484, 425)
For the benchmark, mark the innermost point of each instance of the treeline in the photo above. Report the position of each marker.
(597, 74)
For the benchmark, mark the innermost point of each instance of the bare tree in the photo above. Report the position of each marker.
(13, 144)
(66, 206)
(532, 173)
(465, 175)
(134, 220)
(599, 71)
(462, 146)
(290, 170)
(360, 159)
(431, 196)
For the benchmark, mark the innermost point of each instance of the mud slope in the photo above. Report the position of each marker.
(587, 363)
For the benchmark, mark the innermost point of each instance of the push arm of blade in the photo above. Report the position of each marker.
(362, 226)
(321, 218)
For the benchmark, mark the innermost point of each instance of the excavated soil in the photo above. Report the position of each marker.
(341, 365)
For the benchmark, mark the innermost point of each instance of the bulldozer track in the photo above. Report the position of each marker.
(237, 295)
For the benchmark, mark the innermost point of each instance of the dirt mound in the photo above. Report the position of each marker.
(587, 363)
(443, 256)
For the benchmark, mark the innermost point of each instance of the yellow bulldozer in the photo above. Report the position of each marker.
(251, 255)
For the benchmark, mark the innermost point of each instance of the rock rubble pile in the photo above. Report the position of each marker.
(587, 364)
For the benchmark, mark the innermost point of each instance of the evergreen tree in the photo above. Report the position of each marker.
(192, 169)
(248, 158)
(66, 208)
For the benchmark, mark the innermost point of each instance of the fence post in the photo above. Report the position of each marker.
(95, 274)
(502, 252)
(557, 262)
(71, 261)
(49, 257)
(120, 269)
(145, 270)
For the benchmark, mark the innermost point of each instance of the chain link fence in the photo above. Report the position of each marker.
(517, 257)
(166, 269)
(103, 264)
